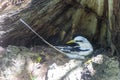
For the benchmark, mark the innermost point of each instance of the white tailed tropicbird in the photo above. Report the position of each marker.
(79, 51)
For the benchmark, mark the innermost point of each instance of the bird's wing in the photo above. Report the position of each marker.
(69, 49)
(64, 48)
(78, 48)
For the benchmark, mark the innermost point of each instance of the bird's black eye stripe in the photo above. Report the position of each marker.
(79, 40)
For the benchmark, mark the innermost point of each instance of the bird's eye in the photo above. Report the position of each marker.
(79, 40)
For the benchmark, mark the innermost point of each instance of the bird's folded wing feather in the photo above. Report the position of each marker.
(69, 49)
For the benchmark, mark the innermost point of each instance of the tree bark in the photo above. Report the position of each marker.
(59, 20)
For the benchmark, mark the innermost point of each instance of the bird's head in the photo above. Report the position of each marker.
(78, 40)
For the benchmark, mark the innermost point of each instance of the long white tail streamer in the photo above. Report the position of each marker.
(41, 37)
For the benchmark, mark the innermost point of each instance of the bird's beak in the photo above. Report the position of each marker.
(71, 41)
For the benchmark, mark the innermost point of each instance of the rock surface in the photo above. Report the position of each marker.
(40, 63)
(109, 70)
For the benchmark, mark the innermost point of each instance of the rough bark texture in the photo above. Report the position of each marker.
(59, 20)
(116, 24)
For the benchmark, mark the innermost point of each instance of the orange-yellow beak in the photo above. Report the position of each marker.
(71, 41)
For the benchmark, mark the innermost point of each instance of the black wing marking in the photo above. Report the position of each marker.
(66, 49)
(69, 49)
(78, 49)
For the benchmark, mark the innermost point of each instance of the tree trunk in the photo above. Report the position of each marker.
(59, 20)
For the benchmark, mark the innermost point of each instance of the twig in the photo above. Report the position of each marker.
(41, 37)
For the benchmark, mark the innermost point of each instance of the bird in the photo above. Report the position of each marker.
(82, 48)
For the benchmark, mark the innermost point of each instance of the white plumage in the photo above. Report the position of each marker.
(79, 51)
